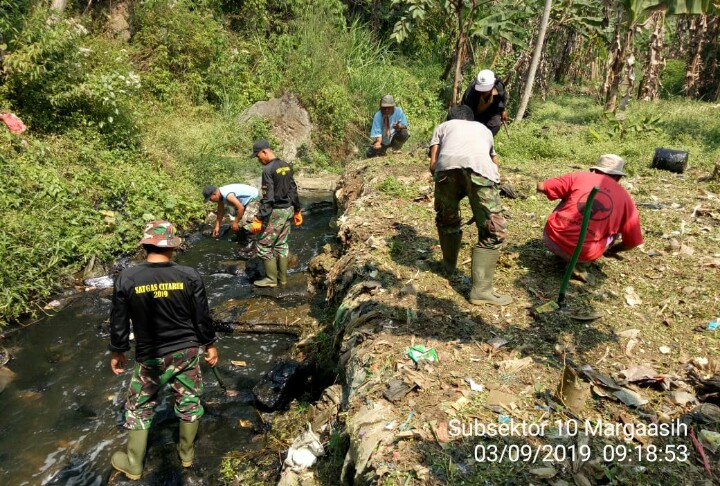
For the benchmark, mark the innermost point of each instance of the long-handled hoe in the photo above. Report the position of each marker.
(552, 305)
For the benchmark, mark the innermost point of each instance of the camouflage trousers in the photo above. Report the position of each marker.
(248, 216)
(272, 241)
(181, 369)
(451, 186)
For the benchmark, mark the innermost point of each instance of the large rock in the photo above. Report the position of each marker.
(290, 122)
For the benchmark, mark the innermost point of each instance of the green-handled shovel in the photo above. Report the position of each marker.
(552, 305)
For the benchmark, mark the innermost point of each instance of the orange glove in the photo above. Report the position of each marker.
(256, 226)
(297, 217)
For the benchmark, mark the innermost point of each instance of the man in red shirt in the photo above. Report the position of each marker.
(614, 221)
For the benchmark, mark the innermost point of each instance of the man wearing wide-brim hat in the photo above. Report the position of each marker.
(389, 128)
(614, 221)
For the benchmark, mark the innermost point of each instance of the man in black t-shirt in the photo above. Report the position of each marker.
(279, 204)
(168, 307)
(486, 96)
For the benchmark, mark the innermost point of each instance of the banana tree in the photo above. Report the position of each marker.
(464, 21)
(631, 17)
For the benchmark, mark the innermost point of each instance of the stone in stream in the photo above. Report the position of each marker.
(6, 377)
(279, 385)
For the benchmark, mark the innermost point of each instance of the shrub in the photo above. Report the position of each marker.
(54, 81)
(672, 78)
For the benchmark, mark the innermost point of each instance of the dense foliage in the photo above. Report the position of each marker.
(126, 126)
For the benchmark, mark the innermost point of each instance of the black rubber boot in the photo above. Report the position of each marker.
(186, 446)
(450, 246)
(271, 272)
(282, 262)
(483, 271)
(131, 462)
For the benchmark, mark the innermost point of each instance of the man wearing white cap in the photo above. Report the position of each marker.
(389, 128)
(614, 221)
(487, 98)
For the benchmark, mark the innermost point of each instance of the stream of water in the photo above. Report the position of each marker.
(61, 418)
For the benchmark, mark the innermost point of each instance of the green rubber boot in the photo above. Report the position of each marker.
(271, 272)
(282, 262)
(450, 246)
(131, 462)
(483, 271)
(186, 446)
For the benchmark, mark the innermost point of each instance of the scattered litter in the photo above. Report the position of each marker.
(238, 363)
(441, 432)
(503, 419)
(664, 349)
(544, 472)
(245, 423)
(629, 397)
(498, 401)
(100, 282)
(700, 451)
(421, 353)
(706, 413)
(631, 297)
(572, 392)
(585, 316)
(478, 387)
(396, 390)
(406, 425)
(629, 347)
(304, 451)
(547, 307)
(710, 439)
(629, 333)
(638, 373)
(713, 325)
(391, 425)
(497, 342)
(515, 365)
(682, 398)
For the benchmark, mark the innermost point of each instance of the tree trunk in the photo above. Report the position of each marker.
(570, 47)
(710, 78)
(535, 61)
(698, 27)
(461, 51)
(58, 5)
(682, 37)
(461, 48)
(650, 86)
(617, 70)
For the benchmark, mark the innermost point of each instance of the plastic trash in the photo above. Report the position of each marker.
(713, 325)
(478, 387)
(421, 353)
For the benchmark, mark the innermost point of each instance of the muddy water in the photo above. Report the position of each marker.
(61, 418)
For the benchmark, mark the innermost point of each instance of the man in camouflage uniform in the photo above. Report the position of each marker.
(168, 307)
(464, 163)
(279, 203)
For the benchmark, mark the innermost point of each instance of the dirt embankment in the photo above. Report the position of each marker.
(628, 339)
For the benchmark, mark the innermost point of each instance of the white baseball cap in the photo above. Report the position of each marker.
(485, 80)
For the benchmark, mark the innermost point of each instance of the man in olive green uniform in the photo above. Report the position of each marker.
(279, 204)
